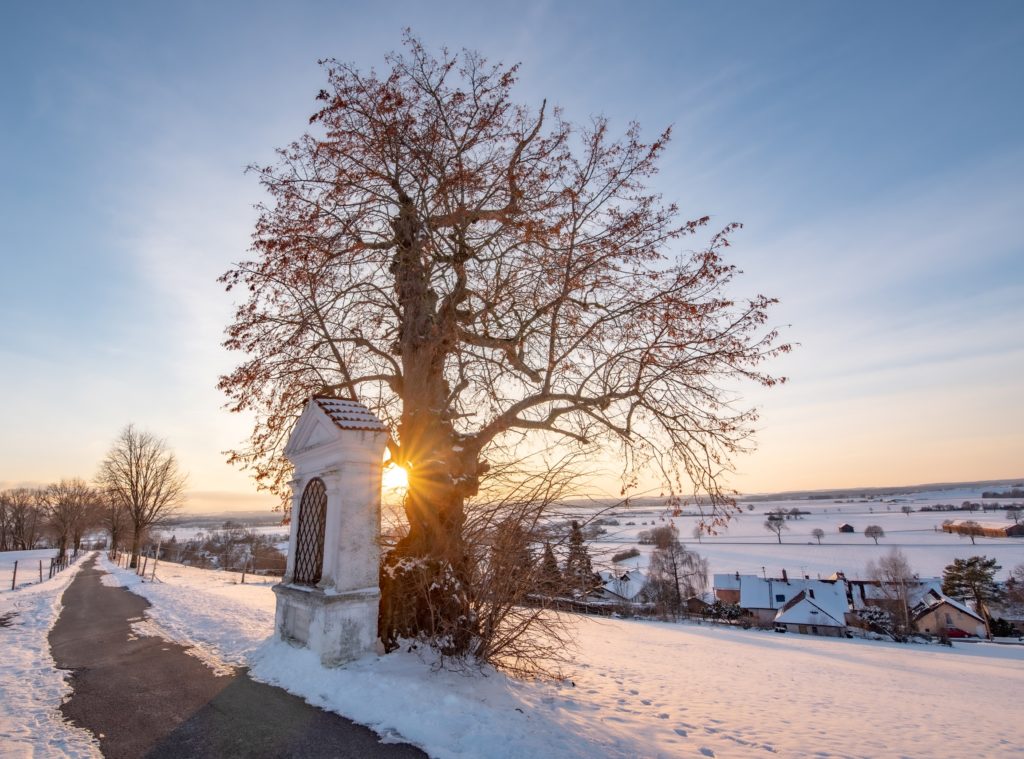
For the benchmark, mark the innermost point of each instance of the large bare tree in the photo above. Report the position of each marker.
(141, 475)
(486, 275)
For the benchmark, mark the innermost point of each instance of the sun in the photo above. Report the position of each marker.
(395, 477)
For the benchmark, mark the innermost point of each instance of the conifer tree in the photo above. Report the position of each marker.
(579, 573)
(973, 579)
(550, 574)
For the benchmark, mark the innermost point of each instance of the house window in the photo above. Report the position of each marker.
(814, 629)
(780, 598)
(309, 542)
(811, 591)
(949, 620)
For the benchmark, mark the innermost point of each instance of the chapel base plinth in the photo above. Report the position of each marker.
(341, 627)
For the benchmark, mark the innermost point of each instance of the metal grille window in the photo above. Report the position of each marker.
(309, 543)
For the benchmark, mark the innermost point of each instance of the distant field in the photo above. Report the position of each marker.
(746, 546)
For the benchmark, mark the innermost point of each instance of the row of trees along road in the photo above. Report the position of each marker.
(138, 486)
(60, 514)
(503, 288)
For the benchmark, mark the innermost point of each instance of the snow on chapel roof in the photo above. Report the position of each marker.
(349, 415)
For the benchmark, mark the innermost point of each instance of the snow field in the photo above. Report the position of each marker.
(32, 688)
(28, 567)
(635, 689)
(745, 546)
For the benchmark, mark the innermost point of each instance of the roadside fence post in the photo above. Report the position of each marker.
(40, 570)
(156, 560)
(14, 578)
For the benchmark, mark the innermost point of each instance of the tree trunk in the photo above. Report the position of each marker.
(136, 547)
(424, 577)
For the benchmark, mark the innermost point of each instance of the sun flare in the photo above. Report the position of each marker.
(395, 477)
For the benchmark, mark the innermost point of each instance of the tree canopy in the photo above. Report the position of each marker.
(488, 276)
(973, 579)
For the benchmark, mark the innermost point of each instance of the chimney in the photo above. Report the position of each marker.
(785, 577)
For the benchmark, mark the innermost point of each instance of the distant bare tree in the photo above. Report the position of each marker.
(66, 508)
(971, 529)
(1015, 514)
(818, 534)
(776, 523)
(114, 518)
(906, 509)
(142, 475)
(6, 531)
(23, 505)
(676, 573)
(895, 579)
(874, 532)
(1015, 585)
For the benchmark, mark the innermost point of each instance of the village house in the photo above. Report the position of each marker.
(761, 598)
(621, 587)
(846, 527)
(815, 611)
(937, 613)
(865, 593)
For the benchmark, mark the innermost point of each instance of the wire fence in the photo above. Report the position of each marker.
(22, 568)
(150, 557)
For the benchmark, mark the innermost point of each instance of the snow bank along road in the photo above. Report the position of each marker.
(31, 687)
(636, 689)
(142, 695)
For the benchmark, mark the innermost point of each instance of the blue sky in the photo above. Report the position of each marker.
(874, 151)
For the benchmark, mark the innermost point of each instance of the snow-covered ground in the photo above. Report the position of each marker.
(745, 546)
(636, 689)
(31, 688)
(29, 563)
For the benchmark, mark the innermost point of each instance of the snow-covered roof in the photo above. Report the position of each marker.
(627, 584)
(349, 415)
(935, 598)
(804, 610)
(869, 590)
(984, 525)
(827, 609)
(727, 582)
(773, 593)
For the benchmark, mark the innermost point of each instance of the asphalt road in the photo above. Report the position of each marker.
(146, 697)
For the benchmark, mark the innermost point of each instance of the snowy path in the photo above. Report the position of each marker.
(638, 689)
(143, 695)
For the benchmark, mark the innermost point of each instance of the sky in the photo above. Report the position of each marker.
(873, 151)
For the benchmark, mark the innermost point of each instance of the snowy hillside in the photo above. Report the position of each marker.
(636, 688)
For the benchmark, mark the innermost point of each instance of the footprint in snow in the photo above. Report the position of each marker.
(706, 751)
(680, 731)
(645, 701)
(633, 692)
(663, 715)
